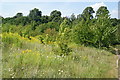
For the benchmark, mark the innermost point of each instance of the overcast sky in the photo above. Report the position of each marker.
(9, 9)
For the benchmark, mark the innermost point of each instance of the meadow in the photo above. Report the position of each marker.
(24, 58)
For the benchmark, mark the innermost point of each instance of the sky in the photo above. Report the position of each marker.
(9, 9)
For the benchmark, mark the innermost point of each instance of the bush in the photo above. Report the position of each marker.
(10, 39)
(62, 49)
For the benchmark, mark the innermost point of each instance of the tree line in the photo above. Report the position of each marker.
(85, 29)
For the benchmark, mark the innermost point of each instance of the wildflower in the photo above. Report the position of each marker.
(12, 76)
(26, 51)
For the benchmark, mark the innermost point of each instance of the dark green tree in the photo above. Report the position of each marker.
(22, 21)
(102, 12)
(55, 16)
(45, 19)
(87, 14)
(114, 21)
(35, 14)
(18, 15)
(55, 13)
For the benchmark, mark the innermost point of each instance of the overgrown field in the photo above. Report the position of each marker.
(25, 58)
(42, 46)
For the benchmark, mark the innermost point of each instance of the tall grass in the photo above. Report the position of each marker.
(31, 59)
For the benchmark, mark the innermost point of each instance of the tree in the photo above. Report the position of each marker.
(72, 17)
(87, 14)
(81, 34)
(1, 18)
(18, 15)
(79, 17)
(9, 20)
(35, 14)
(55, 16)
(22, 21)
(102, 12)
(55, 13)
(114, 21)
(64, 38)
(63, 25)
(45, 19)
(104, 28)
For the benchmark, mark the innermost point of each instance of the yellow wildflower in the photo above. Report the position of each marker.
(26, 51)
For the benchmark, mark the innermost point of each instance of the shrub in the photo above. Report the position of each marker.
(62, 49)
(10, 39)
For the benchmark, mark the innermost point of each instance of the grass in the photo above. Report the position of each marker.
(31, 59)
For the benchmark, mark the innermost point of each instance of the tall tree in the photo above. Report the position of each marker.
(102, 12)
(55, 15)
(88, 13)
(104, 28)
(18, 15)
(35, 14)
